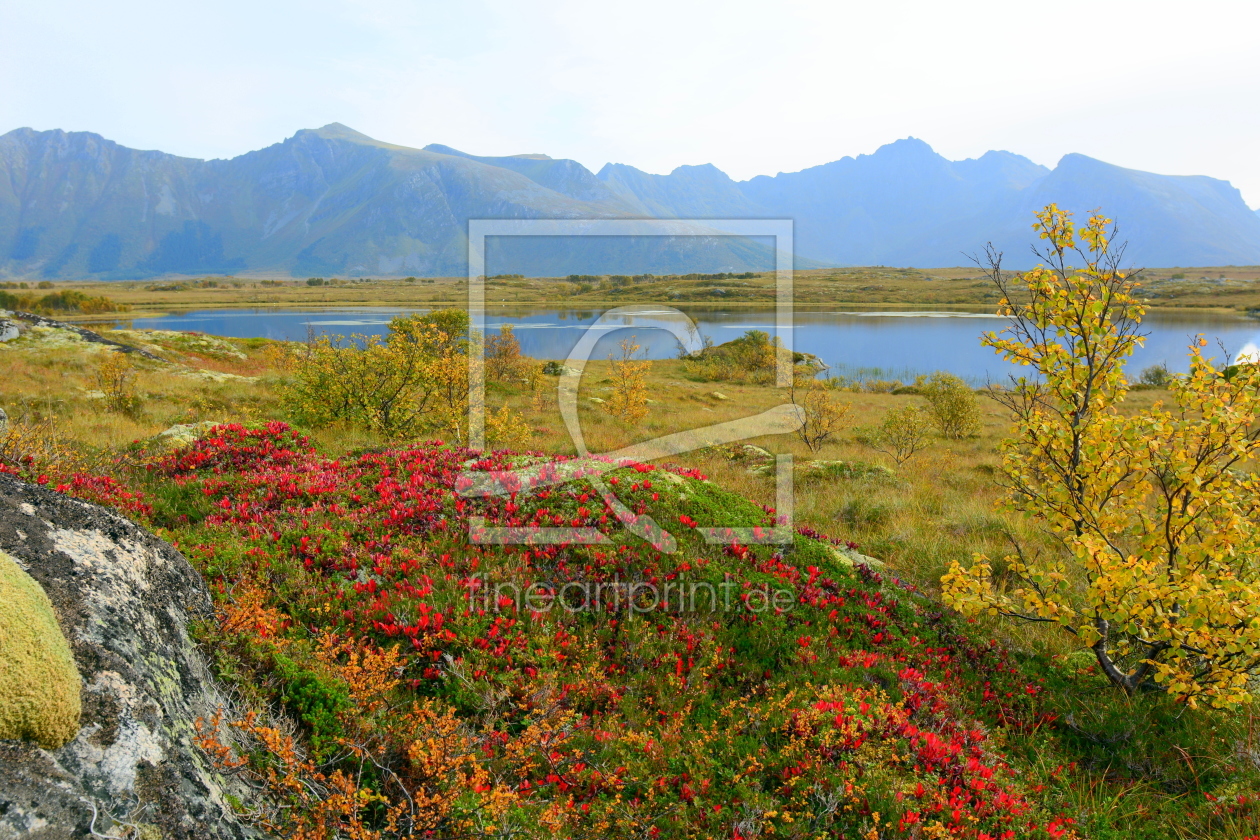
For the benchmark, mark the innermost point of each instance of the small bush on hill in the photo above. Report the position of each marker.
(116, 377)
(824, 415)
(629, 374)
(1155, 376)
(503, 355)
(903, 433)
(751, 357)
(952, 405)
(410, 383)
(399, 386)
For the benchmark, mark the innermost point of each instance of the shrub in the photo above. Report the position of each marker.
(952, 405)
(39, 682)
(1155, 510)
(411, 382)
(751, 357)
(903, 433)
(315, 699)
(1155, 376)
(396, 386)
(37, 451)
(881, 386)
(823, 414)
(503, 355)
(116, 377)
(863, 513)
(629, 396)
(68, 301)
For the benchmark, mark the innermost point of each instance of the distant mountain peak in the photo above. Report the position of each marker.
(1078, 159)
(1003, 154)
(441, 149)
(346, 134)
(906, 146)
(339, 131)
(699, 168)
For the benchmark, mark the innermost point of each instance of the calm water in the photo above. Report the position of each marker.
(882, 344)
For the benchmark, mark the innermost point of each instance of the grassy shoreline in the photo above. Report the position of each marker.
(1228, 289)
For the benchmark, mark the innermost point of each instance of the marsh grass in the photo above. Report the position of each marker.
(1231, 287)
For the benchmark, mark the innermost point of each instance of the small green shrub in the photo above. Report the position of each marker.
(904, 432)
(823, 414)
(881, 386)
(412, 381)
(1155, 376)
(749, 358)
(863, 513)
(952, 405)
(847, 470)
(316, 700)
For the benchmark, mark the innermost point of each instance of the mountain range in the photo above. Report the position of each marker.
(332, 201)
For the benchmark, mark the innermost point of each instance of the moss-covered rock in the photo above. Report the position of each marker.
(39, 684)
(183, 434)
(125, 601)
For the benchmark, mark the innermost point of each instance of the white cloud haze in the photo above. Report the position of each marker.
(754, 88)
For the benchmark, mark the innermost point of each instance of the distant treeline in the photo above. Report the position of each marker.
(67, 302)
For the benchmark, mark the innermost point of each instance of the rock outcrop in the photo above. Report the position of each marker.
(26, 320)
(124, 600)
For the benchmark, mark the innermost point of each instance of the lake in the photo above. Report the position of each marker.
(879, 344)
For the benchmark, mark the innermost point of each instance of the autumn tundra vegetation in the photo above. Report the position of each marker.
(1027, 613)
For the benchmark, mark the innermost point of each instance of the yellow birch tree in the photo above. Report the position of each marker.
(1152, 557)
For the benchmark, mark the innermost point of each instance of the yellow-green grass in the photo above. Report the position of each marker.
(59, 385)
(1235, 288)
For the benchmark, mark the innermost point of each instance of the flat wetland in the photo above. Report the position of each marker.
(1232, 288)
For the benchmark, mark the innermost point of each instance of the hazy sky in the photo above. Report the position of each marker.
(754, 88)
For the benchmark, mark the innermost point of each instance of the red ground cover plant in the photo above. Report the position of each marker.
(444, 688)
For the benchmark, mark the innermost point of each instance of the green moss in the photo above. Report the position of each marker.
(39, 683)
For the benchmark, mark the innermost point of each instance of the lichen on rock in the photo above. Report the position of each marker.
(39, 683)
